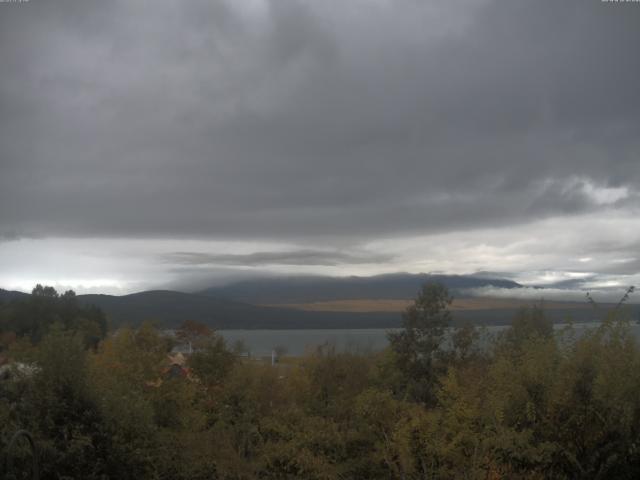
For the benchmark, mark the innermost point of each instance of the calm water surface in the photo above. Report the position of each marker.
(297, 342)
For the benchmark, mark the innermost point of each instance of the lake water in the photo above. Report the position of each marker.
(297, 342)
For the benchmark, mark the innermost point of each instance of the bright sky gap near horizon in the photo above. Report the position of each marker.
(185, 144)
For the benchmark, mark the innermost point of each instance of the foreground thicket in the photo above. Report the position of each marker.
(529, 404)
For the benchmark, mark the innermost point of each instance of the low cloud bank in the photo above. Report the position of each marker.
(604, 295)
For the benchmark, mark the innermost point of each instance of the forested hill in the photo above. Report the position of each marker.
(317, 288)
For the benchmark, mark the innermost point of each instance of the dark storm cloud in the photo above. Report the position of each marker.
(295, 257)
(291, 119)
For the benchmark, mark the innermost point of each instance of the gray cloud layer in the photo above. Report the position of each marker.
(291, 119)
(295, 257)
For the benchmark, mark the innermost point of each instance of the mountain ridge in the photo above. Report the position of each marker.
(293, 289)
(262, 303)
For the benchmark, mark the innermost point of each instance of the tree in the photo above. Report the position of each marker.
(417, 347)
(60, 410)
(213, 361)
(195, 334)
(44, 292)
(529, 322)
(34, 316)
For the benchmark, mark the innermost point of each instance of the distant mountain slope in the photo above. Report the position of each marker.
(317, 289)
(8, 295)
(170, 308)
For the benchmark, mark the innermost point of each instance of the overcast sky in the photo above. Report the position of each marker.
(148, 144)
